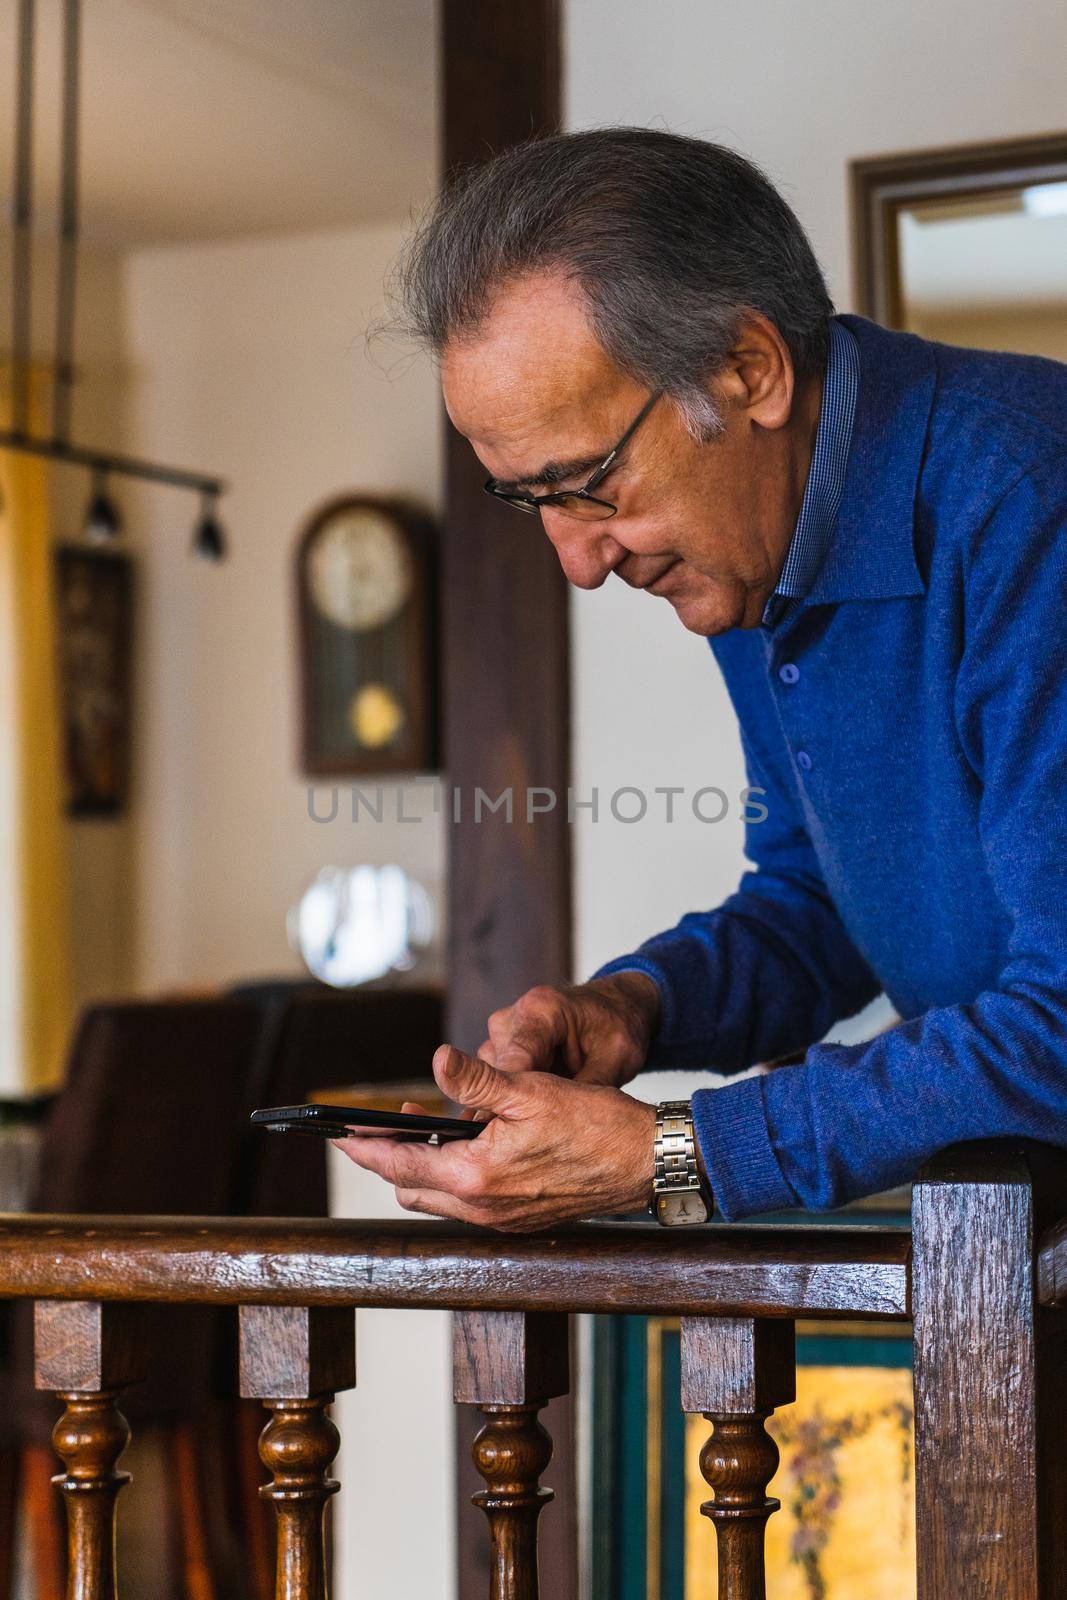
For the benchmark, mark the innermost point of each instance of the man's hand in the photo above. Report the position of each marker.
(596, 1032)
(552, 1151)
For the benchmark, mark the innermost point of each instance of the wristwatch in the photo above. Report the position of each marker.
(678, 1198)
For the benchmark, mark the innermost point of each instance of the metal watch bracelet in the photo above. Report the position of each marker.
(676, 1172)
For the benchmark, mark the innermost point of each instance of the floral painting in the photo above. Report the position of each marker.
(846, 1528)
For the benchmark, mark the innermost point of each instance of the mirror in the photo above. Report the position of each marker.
(967, 246)
(357, 925)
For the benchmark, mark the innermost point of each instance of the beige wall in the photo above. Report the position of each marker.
(247, 361)
(802, 89)
(1029, 330)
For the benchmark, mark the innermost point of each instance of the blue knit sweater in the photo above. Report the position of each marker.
(915, 768)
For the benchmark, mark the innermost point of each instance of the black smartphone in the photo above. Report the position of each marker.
(337, 1122)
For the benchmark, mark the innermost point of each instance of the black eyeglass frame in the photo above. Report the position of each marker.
(532, 503)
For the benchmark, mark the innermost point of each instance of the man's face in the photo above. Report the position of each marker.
(705, 526)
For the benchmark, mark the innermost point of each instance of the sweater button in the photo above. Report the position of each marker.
(789, 672)
(804, 761)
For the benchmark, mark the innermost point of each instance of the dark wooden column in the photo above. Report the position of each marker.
(990, 1377)
(505, 672)
(505, 667)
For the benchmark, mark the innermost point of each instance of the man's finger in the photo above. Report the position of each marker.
(475, 1084)
(526, 1051)
(532, 1046)
(436, 1203)
(410, 1166)
(528, 1035)
(604, 1072)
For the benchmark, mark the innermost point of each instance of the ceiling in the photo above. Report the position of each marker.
(206, 119)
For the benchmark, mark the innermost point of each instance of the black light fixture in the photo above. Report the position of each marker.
(209, 540)
(103, 524)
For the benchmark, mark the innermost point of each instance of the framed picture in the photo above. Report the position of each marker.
(93, 609)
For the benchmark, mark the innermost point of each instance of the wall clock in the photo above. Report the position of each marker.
(366, 602)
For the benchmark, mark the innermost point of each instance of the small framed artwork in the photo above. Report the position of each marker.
(367, 621)
(94, 623)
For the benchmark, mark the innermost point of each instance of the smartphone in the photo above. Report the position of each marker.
(337, 1122)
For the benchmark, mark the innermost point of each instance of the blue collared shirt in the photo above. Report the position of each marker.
(826, 476)
(908, 724)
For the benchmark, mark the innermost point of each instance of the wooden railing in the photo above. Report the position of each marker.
(990, 1362)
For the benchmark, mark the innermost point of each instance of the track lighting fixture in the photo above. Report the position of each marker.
(209, 540)
(103, 524)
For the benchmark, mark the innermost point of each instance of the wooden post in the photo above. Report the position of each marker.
(506, 704)
(294, 1359)
(85, 1352)
(990, 1377)
(508, 1364)
(736, 1370)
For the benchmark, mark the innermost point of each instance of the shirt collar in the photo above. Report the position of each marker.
(826, 476)
(872, 553)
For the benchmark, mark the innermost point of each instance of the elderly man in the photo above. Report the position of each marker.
(871, 531)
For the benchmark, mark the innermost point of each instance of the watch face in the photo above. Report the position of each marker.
(680, 1208)
(359, 569)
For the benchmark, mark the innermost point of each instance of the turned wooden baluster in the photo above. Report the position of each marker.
(85, 1352)
(294, 1359)
(736, 1371)
(509, 1364)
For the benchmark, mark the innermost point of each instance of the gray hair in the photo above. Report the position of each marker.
(671, 240)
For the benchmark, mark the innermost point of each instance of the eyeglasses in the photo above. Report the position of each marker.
(577, 502)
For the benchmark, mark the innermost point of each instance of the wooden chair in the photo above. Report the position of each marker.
(129, 1134)
(317, 1039)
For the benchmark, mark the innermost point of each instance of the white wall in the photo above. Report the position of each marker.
(802, 89)
(247, 361)
(398, 1429)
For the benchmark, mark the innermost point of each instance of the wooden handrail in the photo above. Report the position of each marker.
(839, 1271)
(990, 1378)
(737, 1291)
(989, 1373)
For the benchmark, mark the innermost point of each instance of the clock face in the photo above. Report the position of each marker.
(359, 569)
